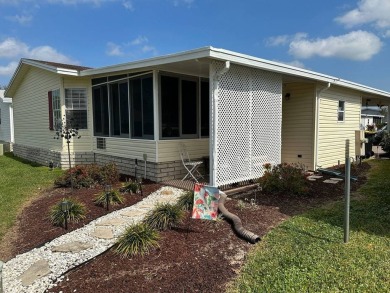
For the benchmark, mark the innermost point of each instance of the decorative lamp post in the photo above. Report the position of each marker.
(65, 206)
(67, 130)
(51, 165)
(139, 181)
(107, 189)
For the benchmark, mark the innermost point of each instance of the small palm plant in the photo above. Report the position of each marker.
(164, 216)
(186, 200)
(114, 198)
(137, 239)
(131, 187)
(74, 213)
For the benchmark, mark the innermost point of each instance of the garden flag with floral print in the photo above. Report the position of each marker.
(205, 202)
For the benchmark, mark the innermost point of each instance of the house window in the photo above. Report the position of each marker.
(119, 109)
(341, 111)
(54, 101)
(100, 110)
(141, 105)
(179, 107)
(76, 107)
(124, 108)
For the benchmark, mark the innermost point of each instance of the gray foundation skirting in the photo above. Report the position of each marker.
(154, 171)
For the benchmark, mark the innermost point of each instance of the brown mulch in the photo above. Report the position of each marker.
(197, 256)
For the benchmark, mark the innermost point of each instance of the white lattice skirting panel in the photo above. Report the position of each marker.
(248, 118)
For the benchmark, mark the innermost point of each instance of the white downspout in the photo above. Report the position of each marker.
(213, 145)
(317, 118)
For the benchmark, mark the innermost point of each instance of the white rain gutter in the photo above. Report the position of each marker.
(317, 118)
(215, 99)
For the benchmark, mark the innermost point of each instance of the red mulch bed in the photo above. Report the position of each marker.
(197, 256)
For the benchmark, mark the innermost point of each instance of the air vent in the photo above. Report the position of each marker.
(101, 143)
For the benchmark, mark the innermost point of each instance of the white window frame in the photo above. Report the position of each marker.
(73, 101)
(341, 110)
(56, 108)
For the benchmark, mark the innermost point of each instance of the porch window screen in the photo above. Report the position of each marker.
(76, 107)
(141, 98)
(180, 99)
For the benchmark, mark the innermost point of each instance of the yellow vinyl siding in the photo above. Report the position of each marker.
(128, 148)
(31, 110)
(168, 150)
(298, 124)
(332, 133)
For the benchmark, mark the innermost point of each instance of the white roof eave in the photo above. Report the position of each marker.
(237, 58)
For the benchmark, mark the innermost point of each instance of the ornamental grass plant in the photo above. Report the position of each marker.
(164, 216)
(138, 239)
(75, 213)
(114, 198)
(186, 200)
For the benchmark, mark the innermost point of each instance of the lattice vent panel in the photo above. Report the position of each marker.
(249, 113)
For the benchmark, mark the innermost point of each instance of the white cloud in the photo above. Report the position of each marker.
(187, 3)
(11, 48)
(356, 45)
(368, 11)
(284, 39)
(295, 63)
(128, 5)
(135, 48)
(21, 19)
(64, 2)
(48, 53)
(387, 34)
(114, 49)
(9, 69)
(138, 41)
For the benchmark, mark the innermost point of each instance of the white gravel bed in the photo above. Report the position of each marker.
(61, 262)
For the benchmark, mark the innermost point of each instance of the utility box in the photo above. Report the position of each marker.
(360, 143)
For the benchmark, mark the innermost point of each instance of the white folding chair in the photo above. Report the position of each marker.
(190, 166)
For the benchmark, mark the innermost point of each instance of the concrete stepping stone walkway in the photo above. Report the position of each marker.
(40, 269)
(37, 270)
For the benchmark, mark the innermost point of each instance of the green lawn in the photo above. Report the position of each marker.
(20, 181)
(307, 253)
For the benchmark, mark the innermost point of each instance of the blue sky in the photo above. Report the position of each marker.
(348, 39)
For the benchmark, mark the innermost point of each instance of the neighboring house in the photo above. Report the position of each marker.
(6, 122)
(371, 115)
(238, 110)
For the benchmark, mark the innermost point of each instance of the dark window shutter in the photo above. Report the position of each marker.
(50, 100)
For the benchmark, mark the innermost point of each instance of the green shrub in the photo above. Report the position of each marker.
(137, 239)
(385, 142)
(114, 198)
(164, 216)
(131, 186)
(186, 200)
(76, 212)
(289, 178)
(109, 174)
(88, 176)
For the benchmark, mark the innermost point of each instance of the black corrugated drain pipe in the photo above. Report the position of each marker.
(237, 224)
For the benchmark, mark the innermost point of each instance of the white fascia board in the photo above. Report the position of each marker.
(251, 61)
(156, 61)
(237, 58)
(51, 68)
